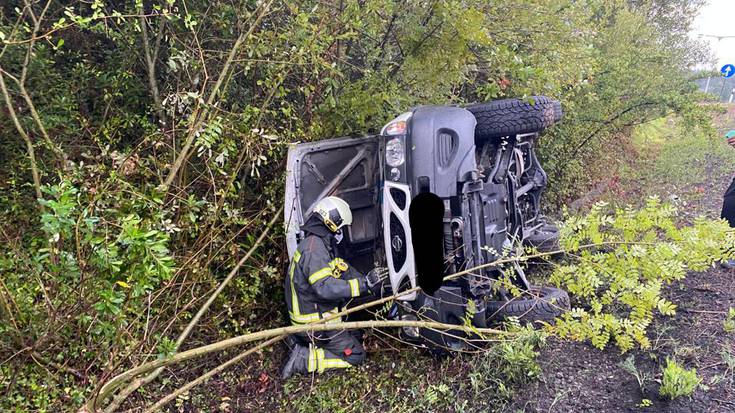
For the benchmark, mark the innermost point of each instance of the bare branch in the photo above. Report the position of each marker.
(21, 81)
(120, 379)
(34, 114)
(36, 27)
(24, 135)
(150, 60)
(320, 325)
(198, 118)
(211, 373)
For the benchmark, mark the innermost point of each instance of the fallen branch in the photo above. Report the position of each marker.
(319, 325)
(122, 378)
(206, 376)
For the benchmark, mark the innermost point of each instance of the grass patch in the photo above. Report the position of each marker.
(673, 161)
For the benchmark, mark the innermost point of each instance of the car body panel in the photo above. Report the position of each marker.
(429, 199)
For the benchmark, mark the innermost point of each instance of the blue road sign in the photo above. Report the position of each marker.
(728, 70)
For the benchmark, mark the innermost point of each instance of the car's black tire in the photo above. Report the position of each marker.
(509, 117)
(544, 304)
(544, 239)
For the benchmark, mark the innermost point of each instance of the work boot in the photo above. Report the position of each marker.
(728, 264)
(296, 362)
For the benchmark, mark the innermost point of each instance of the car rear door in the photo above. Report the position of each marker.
(344, 167)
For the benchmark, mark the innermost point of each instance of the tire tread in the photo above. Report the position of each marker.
(510, 117)
(553, 303)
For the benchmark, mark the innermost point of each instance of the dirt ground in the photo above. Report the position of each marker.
(580, 378)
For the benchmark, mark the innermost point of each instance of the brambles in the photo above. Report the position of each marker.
(678, 381)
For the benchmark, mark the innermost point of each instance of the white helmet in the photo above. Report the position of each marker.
(335, 212)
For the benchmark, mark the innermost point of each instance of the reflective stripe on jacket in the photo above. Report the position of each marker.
(318, 283)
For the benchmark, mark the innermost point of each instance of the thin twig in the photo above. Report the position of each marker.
(150, 60)
(195, 320)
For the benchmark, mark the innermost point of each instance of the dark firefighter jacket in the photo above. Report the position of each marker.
(318, 283)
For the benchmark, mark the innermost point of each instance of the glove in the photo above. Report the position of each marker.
(374, 279)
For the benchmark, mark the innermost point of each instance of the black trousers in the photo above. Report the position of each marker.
(728, 204)
(327, 350)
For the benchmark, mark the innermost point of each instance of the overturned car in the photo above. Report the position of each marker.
(440, 190)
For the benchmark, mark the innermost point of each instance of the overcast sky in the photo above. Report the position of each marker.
(718, 18)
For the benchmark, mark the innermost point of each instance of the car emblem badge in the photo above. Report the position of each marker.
(397, 243)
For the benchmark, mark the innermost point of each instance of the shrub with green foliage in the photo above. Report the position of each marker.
(618, 284)
(729, 323)
(83, 288)
(678, 381)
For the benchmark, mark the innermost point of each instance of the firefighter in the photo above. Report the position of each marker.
(728, 202)
(317, 285)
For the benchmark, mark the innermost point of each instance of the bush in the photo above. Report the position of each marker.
(678, 381)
